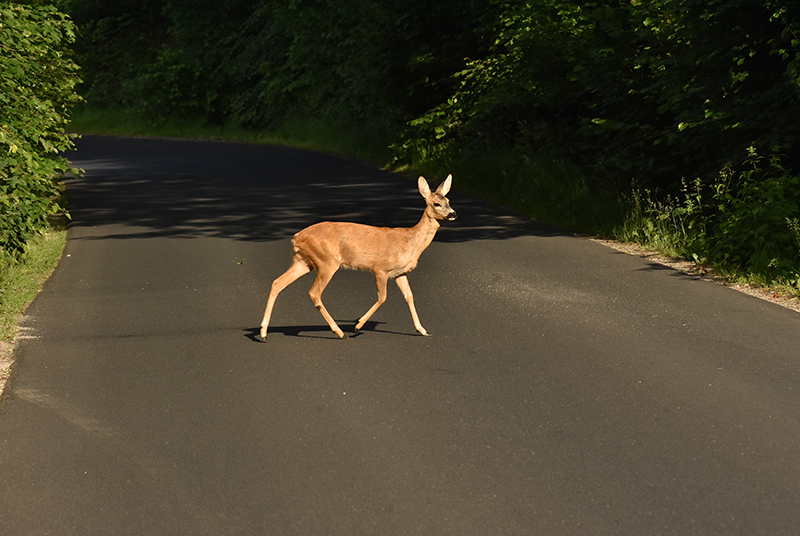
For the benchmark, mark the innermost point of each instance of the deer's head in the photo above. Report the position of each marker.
(438, 204)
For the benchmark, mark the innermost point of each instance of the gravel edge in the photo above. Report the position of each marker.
(702, 273)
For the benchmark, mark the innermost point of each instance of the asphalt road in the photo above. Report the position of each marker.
(567, 388)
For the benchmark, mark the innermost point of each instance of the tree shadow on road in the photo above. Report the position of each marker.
(187, 189)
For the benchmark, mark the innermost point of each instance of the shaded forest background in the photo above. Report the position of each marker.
(657, 90)
(673, 123)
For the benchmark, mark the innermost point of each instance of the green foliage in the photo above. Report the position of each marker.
(753, 220)
(353, 139)
(649, 90)
(115, 41)
(669, 225)
(261, 63)
(36, 91)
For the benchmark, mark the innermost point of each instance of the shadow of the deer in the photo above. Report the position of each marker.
(321, 331)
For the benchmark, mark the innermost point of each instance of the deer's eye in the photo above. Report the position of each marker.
(437, 204)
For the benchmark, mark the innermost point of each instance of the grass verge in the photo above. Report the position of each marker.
(365, 141)
(745, 232)
(20, 282)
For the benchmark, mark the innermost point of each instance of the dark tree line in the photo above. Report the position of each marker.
(257, 62)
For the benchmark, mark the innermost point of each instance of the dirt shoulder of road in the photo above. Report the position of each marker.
(701, 272)
(5, 363)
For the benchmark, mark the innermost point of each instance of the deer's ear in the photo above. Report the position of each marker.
(424, 189)
(445, 186)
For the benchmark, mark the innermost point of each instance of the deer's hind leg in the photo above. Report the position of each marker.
(324, 274)
(380, 282)
(297, 269)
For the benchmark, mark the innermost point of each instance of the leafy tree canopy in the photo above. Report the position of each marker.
(37, 88)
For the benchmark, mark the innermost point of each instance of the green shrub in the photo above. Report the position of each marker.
(36, 91)
(745, 223)
(752, 220)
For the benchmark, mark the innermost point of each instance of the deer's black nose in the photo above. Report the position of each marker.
(451, 216)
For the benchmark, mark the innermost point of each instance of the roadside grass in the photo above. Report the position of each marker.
(741, 228)
(369, 142)
(88, 120)
(20, 282)
(655, 224)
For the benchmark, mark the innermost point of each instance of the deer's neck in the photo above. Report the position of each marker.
(424, 231)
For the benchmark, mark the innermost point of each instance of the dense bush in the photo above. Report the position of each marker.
(36, 91)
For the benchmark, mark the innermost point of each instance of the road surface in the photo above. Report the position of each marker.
(567, 388)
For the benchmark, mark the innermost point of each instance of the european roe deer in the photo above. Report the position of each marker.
(384, 251)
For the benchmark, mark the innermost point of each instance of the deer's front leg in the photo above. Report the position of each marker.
(405, 288)
(380, 282)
